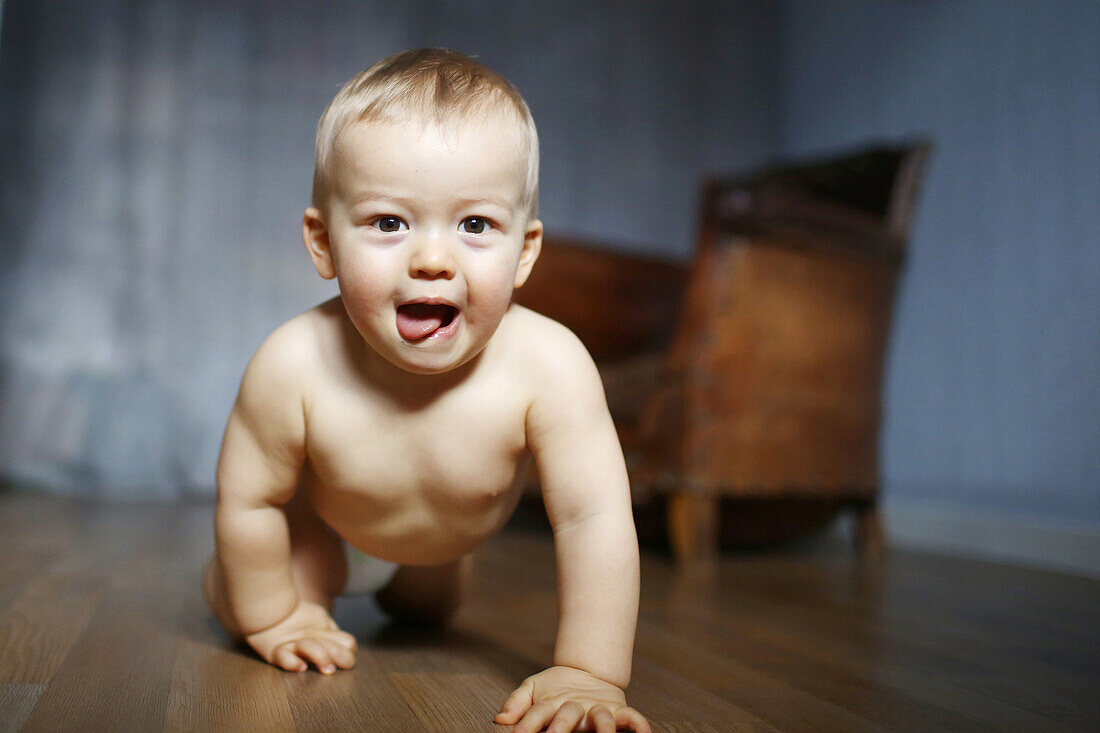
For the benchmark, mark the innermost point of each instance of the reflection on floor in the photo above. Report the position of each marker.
(102, 628)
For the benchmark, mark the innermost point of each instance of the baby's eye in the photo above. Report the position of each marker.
(389, 224)
(476, 225)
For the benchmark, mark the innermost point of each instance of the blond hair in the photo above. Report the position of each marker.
(435, 84)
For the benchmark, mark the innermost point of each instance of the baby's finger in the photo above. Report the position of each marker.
(516, 705)
(285, 658)
(314, 651)
(601, 719)
(340, 654)
(346, 640)
(631, 719)
(536, 718)
(567, 718)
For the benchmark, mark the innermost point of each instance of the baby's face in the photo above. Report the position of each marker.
(429, 236)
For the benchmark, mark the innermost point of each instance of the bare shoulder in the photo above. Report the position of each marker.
(285, 363)
(551, 355)
(264, 443)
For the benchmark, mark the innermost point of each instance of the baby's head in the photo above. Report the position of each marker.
(425, 192)
(429, 86)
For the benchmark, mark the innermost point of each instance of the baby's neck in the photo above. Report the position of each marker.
(404, 389)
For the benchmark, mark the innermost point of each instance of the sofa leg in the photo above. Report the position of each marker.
(870, 536)
(693, 527)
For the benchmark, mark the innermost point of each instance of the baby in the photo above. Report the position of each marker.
(396, 417)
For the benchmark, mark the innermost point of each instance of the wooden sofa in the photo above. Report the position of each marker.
(746, 384)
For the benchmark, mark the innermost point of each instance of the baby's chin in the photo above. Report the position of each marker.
(427, 370)
(422, 362)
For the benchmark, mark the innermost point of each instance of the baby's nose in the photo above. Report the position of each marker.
(432, 259)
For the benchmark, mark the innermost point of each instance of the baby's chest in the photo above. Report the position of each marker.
(449, 450)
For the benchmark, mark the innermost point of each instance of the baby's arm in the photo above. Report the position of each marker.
(258, 471)
(587, 495)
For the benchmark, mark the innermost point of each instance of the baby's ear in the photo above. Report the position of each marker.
(532, 245)
(315, 236)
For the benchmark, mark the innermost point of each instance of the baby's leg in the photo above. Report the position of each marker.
(317, 563)
(426, 595)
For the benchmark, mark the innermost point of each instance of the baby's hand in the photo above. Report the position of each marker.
(566, 699)
(307, 635)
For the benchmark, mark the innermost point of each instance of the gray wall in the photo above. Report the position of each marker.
(157, 159)
(993, 387)
(158, 156)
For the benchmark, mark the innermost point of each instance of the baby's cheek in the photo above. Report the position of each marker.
(362, 288)
(488, 303)
(364, 304)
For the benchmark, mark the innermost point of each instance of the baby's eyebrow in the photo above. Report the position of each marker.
(500, 203)
(378, 196)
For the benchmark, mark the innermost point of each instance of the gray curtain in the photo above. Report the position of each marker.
(157, 156)
(156, 163)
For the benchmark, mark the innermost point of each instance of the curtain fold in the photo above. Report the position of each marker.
(158, 162)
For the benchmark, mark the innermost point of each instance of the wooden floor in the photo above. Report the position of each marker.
(102, 628)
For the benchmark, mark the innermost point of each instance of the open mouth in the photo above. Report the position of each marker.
(420, 321)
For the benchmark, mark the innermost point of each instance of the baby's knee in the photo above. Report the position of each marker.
(425, 596)
(434, 611)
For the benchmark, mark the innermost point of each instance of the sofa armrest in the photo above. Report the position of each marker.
(774, 212)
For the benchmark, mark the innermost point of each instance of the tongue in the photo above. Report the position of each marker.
(419, 320)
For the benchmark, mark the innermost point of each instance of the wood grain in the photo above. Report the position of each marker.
(38, 629)
(16, 703)
(102, 627)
